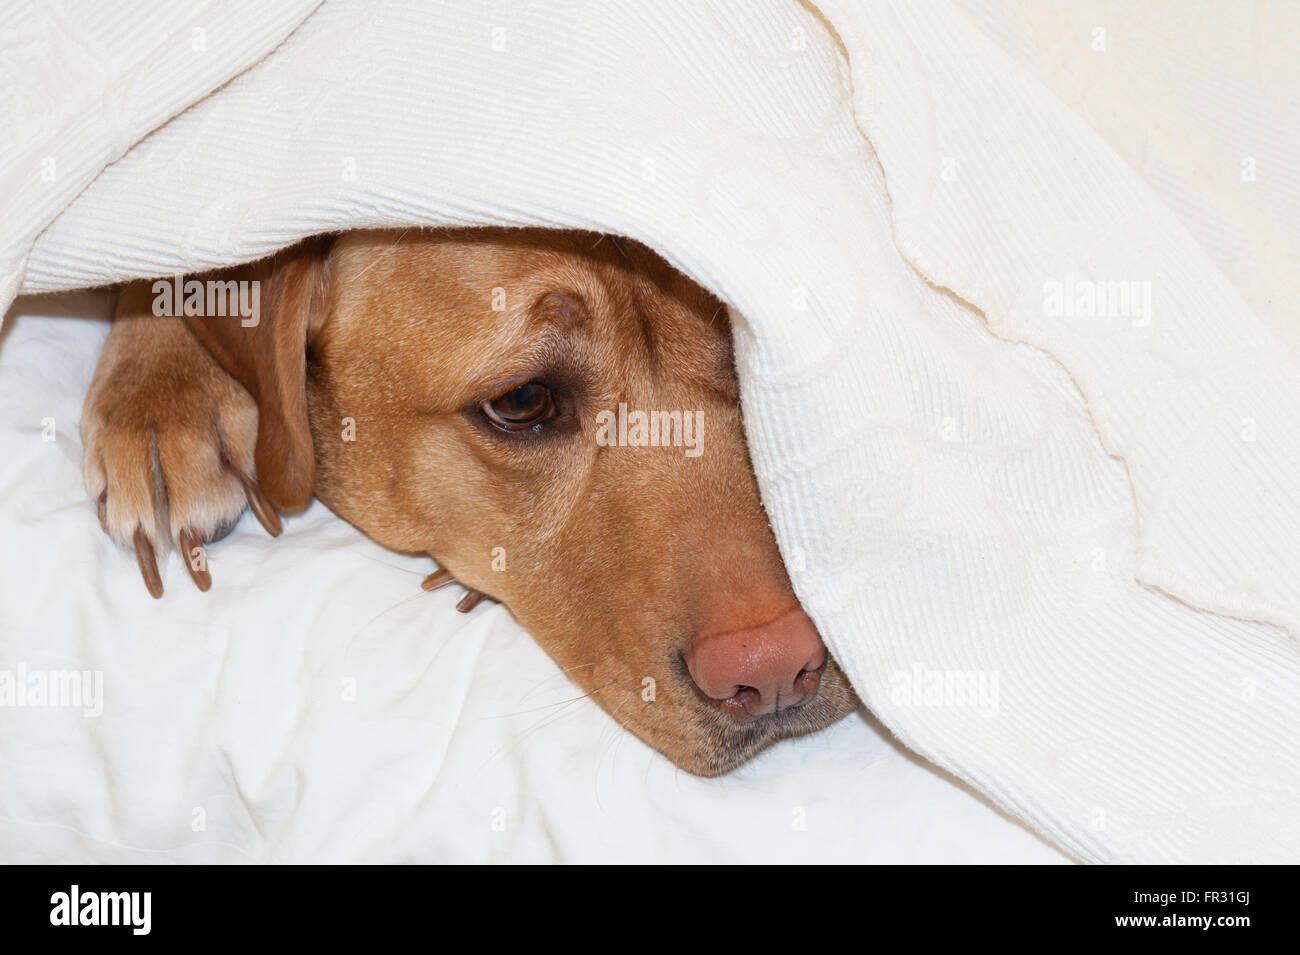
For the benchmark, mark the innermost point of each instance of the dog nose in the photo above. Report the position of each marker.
(762, 670)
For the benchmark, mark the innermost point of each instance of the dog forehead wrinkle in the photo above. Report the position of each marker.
(646, 326)
(564, 310)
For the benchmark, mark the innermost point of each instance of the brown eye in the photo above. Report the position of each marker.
(520, 408)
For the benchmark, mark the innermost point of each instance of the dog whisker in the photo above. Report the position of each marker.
(390, 250)
(541, 683)
(560, 709)
(547, 706)
(369, 623)
(376, 560)
(382, 613)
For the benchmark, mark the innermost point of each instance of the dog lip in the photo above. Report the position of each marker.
(721, 743)
(735, 743)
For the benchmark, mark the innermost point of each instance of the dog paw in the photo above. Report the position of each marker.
(169, 440)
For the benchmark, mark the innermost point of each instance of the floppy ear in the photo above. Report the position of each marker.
(267, 354)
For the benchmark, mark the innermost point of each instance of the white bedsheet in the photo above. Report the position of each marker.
(462, 740)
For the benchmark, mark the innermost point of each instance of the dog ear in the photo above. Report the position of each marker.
(267, 354)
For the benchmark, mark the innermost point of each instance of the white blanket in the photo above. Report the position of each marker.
(1028, 452)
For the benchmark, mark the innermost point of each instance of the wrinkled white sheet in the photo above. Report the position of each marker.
(461, 740)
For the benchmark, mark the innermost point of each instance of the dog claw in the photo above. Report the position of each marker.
(439, 578)
(144, 556)
(101, 506)
(189, 541)
(262, 508)
(469, 601)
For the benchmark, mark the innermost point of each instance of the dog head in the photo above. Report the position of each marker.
(554, 417)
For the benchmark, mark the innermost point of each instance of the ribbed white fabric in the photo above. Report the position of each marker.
(1199, 100)
(1063, 512)
(83, 81)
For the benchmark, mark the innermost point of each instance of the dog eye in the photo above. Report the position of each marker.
(522, 407)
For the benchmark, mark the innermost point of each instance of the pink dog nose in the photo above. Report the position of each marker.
(759, 671)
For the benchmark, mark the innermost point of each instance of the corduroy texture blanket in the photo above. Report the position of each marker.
(1030, 456)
